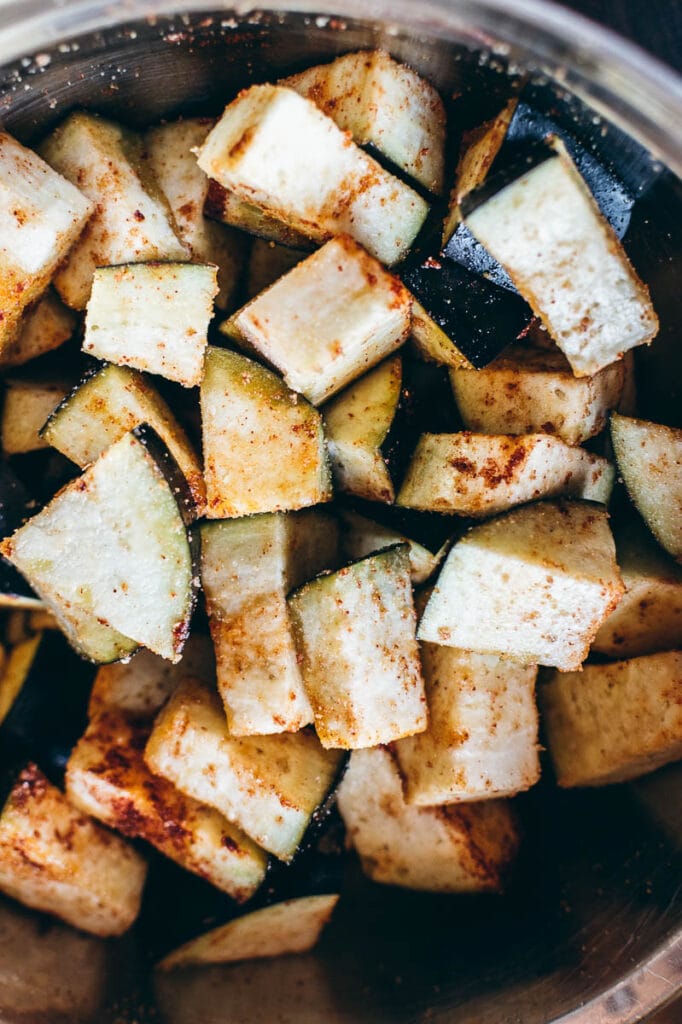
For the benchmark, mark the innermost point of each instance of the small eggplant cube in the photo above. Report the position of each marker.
(480, 475)
(649, 457)
(247, 568)
(482, 739)
(263, 444)
(327, 321)
(268, 785)
(546, 230)
(26, 407)
(42, 329)
(169, 147)
(152, 316)
(357, 423)
(132, 221)
(55, 859)
(355, 630)
(534, 584)
(42, 216)
(614, 722)
(529, 391)
(324, 185)
(464, 848)
(385, 104)
(106, 777)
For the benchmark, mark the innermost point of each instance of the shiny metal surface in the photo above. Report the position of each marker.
(591, 929)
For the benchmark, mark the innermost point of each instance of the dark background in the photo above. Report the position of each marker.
(656, 25)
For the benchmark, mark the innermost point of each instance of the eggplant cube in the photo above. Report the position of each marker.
(140, 686)
(357, 423)
(324, 185)
(152, 316)
(292, 926)
(327, 321)
(132, 221)
(534, 584)
(529, 391)
(361, 537)
(385, 104)
(482, 740)
(185, 186)
(649, 616)
(27, 405)
(268, 785)
(42, 216)
(263, 444)
(113, 544)
(106, 777)
(355, 630)
(546, 230)
(649, 457)
(481, 475)
(105, 406)
(42, 329)
(55, 859)
(614, 722)
(247, 568)
(464, 848)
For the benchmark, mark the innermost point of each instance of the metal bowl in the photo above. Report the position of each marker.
(591, 928)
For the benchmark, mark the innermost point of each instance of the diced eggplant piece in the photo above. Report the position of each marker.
(43, 699)
(546, 230)
(475, 319)
(293, 926)
(107, 778)
(55, 859)
(169, 148)
(648, 618)
(478, 148)
(361, 537)
(482, 739)
(114, 544)
(327, 321)
(355, 632)
(322, 186)
(105, 406)
(356, 424)
(463, 848)
(534, 584)
(132, 221)
(529, 390)
(263, 444)
(649, 457)
(614, 722)
(42, 216)
(268, 785)
(27, 405)
(480, 475)
(152, 316)
(141, 686)
(269, 261)
(248, 566)
(432, 343)
(43, 328)
(223, 205)
(383, 104)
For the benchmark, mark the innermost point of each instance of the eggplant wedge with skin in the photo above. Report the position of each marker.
(649, 457)
(114, 544)
(292, 926)
(540, 220)
(268, 785)
(44, 693)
